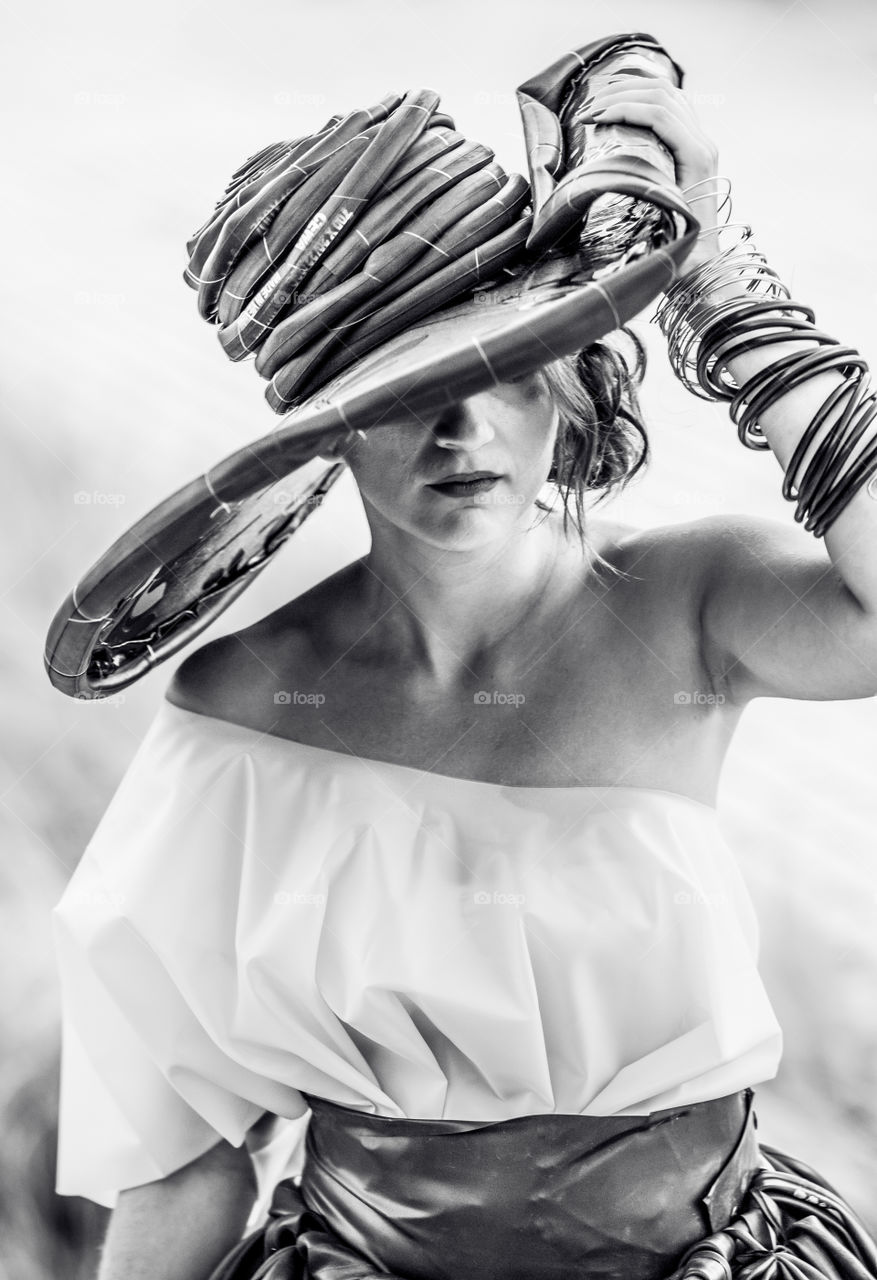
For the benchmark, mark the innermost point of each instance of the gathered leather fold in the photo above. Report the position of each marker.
(685, 1193)
(531, 1198)
(565, 181)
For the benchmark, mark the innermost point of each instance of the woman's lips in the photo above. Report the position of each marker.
(465, 488)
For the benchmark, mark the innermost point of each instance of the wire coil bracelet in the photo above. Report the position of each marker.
(703, 332)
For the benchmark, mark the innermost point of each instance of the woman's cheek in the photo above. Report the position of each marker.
(382, 466)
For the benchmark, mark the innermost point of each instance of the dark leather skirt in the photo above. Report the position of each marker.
(687, 1190)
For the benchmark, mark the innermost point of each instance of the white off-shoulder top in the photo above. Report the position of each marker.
(255, 916)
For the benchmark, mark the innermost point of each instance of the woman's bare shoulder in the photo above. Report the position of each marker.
(670, 542)
(673, 560)
(205, 681)
(609, 539)
(610, 534)
(224, 677)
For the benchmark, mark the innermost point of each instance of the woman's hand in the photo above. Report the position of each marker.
(656, 104)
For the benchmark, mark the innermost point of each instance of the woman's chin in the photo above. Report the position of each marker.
(454, 523)
(468, 526)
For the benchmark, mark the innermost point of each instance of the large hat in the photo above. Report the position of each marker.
(381, 268)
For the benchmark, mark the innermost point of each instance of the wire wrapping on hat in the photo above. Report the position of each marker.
(353, 265)
(433, 216)
(324, 248)
(703, 333)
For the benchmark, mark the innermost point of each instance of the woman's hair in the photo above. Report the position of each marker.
(601, 440)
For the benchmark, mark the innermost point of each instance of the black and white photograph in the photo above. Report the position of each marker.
(440, 603)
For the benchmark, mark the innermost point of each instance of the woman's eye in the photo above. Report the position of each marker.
(530, 384)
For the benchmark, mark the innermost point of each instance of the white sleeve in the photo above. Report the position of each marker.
(122, 1122)
(150, 1078)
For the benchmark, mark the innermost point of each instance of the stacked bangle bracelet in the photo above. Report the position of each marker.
(703, 333)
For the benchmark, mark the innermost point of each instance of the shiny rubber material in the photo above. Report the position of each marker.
(532, 1196)
(540, 1197)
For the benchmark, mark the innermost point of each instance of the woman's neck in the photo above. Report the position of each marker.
(446, 612)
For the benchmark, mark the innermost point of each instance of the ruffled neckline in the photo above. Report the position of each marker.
(217, 725)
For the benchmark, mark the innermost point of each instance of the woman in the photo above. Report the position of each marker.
(491, 734)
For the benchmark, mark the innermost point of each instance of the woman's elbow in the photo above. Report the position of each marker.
(180, 1227)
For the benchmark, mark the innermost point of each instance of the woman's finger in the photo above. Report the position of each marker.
(647, 84)
(659, 92)
(660, 95)
(665, 121)
(694, 154)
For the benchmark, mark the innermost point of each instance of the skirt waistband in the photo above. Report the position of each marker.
(548, 1196)
(537, 1196)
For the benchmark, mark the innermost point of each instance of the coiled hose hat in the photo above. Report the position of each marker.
(380, 268)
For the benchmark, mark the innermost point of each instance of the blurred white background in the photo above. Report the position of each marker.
(123, 126)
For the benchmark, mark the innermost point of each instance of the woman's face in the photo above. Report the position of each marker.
(508, 431)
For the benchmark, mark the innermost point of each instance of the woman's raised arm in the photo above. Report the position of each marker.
(180, 1227)
(780, 618)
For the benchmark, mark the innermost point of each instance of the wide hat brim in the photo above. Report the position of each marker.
(174, 571)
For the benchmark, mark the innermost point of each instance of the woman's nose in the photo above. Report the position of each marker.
(465, 423)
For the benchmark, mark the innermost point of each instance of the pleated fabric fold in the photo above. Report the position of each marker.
(255, 917)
